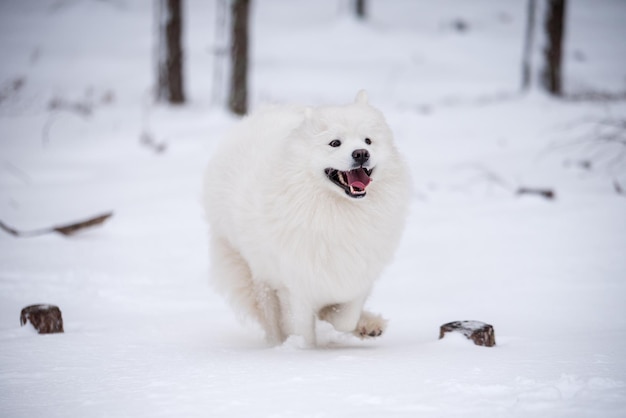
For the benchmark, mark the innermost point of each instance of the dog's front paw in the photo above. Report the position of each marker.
(370, 326)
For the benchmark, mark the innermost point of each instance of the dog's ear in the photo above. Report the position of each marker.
(361, 97)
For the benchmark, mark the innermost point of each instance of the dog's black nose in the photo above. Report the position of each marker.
(360, 156)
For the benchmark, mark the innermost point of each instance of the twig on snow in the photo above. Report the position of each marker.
(545, 193)
(66, 230)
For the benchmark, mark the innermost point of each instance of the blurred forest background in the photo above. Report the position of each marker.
(233, 33)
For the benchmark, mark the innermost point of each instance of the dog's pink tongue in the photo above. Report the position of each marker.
(358, 178)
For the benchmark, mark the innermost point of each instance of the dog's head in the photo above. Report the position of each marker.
(351, 145)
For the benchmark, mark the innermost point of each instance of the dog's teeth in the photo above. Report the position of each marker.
(356, 192)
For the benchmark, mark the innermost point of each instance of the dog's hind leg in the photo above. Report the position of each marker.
(269, 313)
(231, 276)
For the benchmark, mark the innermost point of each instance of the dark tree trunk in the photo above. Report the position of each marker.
(221, 54)
(238, 96)
(360, 9)
(553, 52)
(170, 53)
(528, 46)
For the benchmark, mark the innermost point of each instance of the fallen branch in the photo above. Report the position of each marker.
(545, 193)
(66, 230)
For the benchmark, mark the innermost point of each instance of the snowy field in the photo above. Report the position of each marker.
(144, 334)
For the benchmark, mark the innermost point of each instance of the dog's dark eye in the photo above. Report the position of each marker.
(335, 143)
(368, 141)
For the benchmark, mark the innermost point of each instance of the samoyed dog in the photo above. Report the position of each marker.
(306, 206)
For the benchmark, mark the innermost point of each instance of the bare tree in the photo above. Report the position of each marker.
(360, 9)
(220, 53)
(238, 91)
(547, 71)
(169, 52)
(553, 51)
(528, 45)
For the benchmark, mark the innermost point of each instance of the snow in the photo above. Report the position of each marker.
(144, 333)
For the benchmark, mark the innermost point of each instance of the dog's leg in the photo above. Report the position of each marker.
(370, 325)
(299, 319)
(270, 315)
(349, 317)
(231, 276)
(343, 316)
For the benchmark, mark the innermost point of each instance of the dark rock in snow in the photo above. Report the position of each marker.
(45, 318)
(479, 332)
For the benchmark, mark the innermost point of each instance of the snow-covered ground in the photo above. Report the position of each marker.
(145, 335)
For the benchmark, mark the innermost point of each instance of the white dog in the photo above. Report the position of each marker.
(306, 206)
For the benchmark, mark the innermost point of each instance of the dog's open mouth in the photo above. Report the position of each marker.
(353, 182)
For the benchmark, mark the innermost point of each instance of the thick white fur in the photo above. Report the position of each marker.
(289, 246)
